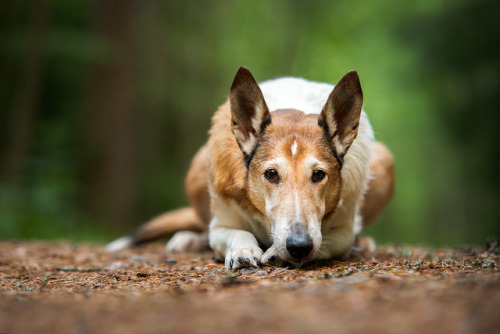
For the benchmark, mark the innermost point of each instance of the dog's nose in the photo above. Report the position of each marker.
(299, 246)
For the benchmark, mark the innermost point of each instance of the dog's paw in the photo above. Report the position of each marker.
(363, 245)
(271, 257)
(243, 258)
(187, 241)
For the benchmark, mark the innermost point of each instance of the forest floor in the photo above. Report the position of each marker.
(60, 287)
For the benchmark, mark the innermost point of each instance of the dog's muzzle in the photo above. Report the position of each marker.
(299, 244)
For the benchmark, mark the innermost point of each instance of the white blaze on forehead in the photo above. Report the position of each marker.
(294, 148)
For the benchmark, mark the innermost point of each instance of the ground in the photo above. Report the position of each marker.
(61, 287)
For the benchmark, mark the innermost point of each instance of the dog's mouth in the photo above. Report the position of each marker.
(295, 257)
(299, 260)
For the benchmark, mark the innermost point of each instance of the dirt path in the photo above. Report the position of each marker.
(79, 288)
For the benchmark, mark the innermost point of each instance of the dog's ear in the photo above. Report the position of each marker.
(341, 113)
(249, 112)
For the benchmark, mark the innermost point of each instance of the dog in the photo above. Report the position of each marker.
(290, 174)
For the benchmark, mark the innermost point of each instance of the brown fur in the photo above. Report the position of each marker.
(228, 171)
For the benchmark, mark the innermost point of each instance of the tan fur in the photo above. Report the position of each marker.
(196, 184)
(381, 185)
(227, 170)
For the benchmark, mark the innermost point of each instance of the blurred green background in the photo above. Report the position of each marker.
(103, 103)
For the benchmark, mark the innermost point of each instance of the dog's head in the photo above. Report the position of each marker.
(294, 160)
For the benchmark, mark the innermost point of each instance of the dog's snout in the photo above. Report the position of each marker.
(299, 244)
(299, 247)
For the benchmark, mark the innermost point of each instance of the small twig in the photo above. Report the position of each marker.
(44, 282)
(71, 269)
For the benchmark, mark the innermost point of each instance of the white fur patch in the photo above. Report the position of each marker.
(298, 211)
(258, 117)
(295, 93)
(120, 243)
(358, 224)
(186, 241)
(294, 148)
(248, 144)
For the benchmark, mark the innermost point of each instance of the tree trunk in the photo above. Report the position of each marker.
(27, 96)
(110, 124)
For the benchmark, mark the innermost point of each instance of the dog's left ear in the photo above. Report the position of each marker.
(249, 112)
(341, 113)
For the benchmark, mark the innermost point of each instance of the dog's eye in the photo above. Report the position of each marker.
(318, 175)
(272, 175)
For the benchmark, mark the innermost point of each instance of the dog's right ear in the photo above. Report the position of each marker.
(249, 112)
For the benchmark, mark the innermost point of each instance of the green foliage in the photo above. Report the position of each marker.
(429, 71)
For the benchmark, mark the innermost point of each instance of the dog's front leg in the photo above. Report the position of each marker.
(238, 247)
(336, 244)
(271, 257)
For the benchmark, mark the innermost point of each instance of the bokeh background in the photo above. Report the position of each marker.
(103, 103)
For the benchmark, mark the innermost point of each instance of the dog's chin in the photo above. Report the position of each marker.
(298, 262)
